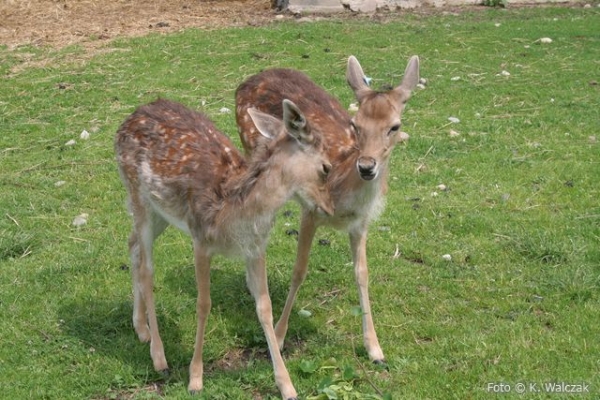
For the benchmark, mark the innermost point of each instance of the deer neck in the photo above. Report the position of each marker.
(241, 222)
(258, 192)
(356, 201)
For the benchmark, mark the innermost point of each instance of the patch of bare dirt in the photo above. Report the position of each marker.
(90, 23)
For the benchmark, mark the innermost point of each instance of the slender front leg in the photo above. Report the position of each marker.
(203, 305)
(358, 244)
(256, 277)
(305, 238)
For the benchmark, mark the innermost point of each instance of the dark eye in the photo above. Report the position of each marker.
(394, 129)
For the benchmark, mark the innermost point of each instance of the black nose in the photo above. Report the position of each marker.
(366, 167)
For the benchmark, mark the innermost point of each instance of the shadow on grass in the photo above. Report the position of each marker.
(232, 301)
(105, 324)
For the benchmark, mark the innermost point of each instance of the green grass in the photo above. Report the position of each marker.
(519, 302)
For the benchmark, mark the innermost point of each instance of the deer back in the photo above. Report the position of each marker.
(176, 158)
(265, 92)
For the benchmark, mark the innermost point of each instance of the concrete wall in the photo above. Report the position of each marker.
(367, 6)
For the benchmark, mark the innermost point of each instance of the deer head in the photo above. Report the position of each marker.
(378, 120)
(298, 155)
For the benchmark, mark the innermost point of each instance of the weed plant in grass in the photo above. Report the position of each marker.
(518, 301)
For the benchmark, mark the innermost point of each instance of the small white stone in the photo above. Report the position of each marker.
(420, 86)
(304, 313)
(447, 257)
(505, 73)
(80, 220)
(545, 40)
(85, 135)
(59, 183)
(455, 78)
(423, 81)
(497, 24)
(454, 120)
(442, 187)
(224, 110)
(70, 143)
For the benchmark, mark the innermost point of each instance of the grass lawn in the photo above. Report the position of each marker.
(518, 302)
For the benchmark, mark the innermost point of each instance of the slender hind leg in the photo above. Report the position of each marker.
(140, 320)
(147, 227)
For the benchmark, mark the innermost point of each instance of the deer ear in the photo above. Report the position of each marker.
(267, 125)
(411, 74)
(295, 123)
(356, 79)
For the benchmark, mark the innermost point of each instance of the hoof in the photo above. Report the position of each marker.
(293, 398)
(195, 392)
(382, 364)
(165, 372)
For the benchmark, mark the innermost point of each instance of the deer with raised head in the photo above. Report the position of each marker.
(359, 149)
(179, 170)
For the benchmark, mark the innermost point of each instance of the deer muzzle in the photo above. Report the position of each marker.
(367, 168)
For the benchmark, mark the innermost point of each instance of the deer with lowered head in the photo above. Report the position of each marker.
(179, 170)
(359, 149)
